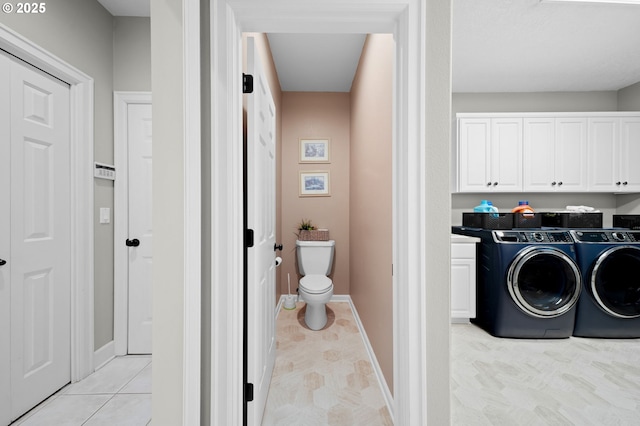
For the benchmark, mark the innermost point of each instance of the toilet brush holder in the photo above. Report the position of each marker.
(289, 302)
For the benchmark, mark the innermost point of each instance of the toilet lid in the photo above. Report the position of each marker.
(315, 283)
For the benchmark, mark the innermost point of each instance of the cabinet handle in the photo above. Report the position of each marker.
(488, 183)
(495, 183)
(132, 243)
(559, 183)
(618, 183)
(553, 184)
(3, 262)
(624, 183)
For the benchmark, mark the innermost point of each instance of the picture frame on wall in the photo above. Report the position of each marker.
(314, 150)
(315, 184)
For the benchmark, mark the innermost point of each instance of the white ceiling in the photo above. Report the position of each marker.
(529, 46)
(498, 46)
(316, 62)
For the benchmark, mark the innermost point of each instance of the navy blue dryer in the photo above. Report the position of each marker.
(610, 303)
(528, 283)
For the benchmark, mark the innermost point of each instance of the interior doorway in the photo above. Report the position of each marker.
(133, 233)
(405, 20)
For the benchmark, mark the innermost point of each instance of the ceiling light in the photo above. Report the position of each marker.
(636, 2)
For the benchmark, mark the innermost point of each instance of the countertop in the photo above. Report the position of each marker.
(455, 238)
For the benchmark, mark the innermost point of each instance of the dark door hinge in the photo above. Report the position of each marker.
(247, 83)
(248, 392)
(249, 238)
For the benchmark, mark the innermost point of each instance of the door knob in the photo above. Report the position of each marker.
(277, 247)
(132, 243)
(3, 262)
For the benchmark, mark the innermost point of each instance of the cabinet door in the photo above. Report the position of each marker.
(602, 157)
(473, 154)
(506, 154)
(570, 155)
(463, 288)
(629, 154)
(539, 162)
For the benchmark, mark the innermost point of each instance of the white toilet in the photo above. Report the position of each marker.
(316, 288)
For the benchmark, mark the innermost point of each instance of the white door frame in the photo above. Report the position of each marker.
(406, 20)
(81, 209)
(121, 102)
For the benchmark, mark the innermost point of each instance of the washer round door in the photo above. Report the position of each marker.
(615, 281)
(544, 282)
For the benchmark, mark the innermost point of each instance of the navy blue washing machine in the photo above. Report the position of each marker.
(609, 306)
(528, 283)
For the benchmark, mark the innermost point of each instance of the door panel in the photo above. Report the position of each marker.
(261, 291)
(40, 237)
(139, 139)
(5, 240)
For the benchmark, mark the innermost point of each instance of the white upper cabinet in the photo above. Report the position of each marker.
(490, 155)
(555, 154)
(547, 152)
(614, 148)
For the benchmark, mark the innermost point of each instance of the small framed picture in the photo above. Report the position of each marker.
(314, 150)
(314, 184)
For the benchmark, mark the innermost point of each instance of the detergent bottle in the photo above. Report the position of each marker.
(485, 206)
(523, 207)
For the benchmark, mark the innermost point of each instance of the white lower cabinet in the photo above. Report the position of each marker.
(463, 278)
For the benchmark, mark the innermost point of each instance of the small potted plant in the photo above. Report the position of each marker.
(305, 227)
(308, 232)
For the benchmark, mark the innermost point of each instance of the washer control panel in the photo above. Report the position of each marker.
(533, 237)
(604, 236)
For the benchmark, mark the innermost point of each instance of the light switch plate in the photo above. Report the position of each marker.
(105, 215)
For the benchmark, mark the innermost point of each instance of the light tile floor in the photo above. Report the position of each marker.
(574, 381)
(323, 377)
(117, 394)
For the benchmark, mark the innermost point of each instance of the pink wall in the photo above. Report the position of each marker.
(316, 115)
(370, 223)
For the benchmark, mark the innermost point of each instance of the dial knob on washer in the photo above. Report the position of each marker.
(618, 236)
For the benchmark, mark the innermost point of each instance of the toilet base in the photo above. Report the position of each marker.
(316, 312)
(316, 316)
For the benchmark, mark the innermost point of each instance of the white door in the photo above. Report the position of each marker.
(36, 276)
(140, 238)
(506, 154)
(603, 153)
(261, 208)
(539, 161)
(474, 150)
(571, 154)
(5, 240)
(629, 154)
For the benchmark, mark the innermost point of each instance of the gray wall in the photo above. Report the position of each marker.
(131, 54)
(115, 52)
(541, 102)
(167, 55)
(629, 98)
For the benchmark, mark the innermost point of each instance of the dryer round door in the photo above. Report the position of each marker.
(544, 282)
(615, 281)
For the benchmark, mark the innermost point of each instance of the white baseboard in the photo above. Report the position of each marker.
(386, 393)
(104, 355)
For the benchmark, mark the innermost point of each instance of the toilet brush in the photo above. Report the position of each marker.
(289, 300)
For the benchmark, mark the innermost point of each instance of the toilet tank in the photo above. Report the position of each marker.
(315, 257)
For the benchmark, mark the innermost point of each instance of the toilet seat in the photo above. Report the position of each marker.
(315, 284)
